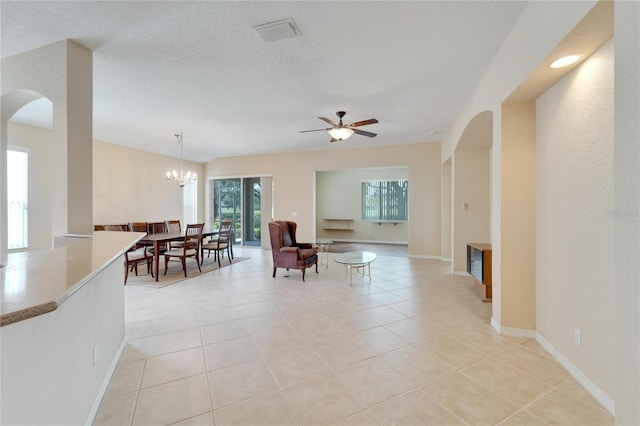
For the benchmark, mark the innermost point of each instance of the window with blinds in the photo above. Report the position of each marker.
(385, 200)
(190, 202)
(17, 199)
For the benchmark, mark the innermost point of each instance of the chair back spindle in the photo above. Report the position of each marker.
(138, 226)
(173, 225)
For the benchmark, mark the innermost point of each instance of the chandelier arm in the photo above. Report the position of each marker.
(181, 179)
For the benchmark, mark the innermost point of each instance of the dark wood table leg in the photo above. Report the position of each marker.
(202, 250)
(156, 252)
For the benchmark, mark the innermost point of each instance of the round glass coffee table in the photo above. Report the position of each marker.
(358, 260)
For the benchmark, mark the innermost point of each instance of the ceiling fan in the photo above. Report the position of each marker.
(342, 131)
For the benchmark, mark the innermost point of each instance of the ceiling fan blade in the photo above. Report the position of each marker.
(364, 122)
(364, 133)
(326, 120)
(316, 130)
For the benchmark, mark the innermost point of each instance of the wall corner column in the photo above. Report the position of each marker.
(518, 216)
(627, 207)
(72, 204)
(79, 126)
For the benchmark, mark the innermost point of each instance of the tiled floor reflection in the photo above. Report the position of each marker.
(411, 347)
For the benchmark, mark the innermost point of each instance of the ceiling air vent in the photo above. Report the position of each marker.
(277, 30)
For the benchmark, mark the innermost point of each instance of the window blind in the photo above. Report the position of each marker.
(385, 200)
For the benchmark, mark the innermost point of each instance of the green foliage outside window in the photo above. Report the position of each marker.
(385, 200)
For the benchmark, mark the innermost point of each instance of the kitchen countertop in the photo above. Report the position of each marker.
(36, 282)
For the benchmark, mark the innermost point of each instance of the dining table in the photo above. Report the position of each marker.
(158, 239)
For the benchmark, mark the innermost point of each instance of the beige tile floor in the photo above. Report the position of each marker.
(411, 347)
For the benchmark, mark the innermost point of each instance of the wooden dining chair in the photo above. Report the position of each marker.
(191, 248)
(145, 227)
(158, 228)
(173, 226)
(136, 254)
(138, 226)
(228, 224)
(225, 225)
(219, 245)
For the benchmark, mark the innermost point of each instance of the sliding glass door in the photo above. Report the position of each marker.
(227, 203)
(239, 199)
(251, 212)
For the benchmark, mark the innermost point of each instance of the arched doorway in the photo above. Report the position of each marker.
(471, 188)
(26, 155)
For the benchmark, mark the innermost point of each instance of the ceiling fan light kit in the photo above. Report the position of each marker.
(339, 131)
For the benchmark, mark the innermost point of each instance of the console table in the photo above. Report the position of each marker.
(479, 266)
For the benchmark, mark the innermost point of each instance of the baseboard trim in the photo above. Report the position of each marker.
(419, 256)
(604, 399)
(105, 384)
(445, 259)
(346, 240)
(513, 332)
(518, 332)
(461, 273)
(495, 324)
(575, 372)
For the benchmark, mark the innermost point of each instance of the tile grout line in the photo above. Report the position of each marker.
(332, 289)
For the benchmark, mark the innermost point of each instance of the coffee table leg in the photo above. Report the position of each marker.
(323, 249)
(326, 247)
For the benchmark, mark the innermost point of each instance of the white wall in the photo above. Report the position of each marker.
(48, 371)
(339, 195)
(130, 185)
(523, 50)
(471, 187)
(39, 145)
(62, 72)
(526, 50)
(574, 232)
(294, 184)
(627, 204)
(518, 218)
(446, 205)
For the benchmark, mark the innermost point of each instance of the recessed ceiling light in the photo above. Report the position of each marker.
(565, 61)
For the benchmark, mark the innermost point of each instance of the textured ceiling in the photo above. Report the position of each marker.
(199, 68)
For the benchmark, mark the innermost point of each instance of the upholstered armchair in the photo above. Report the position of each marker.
(287, 253)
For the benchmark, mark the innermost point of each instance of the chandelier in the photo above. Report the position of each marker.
(180, 178)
